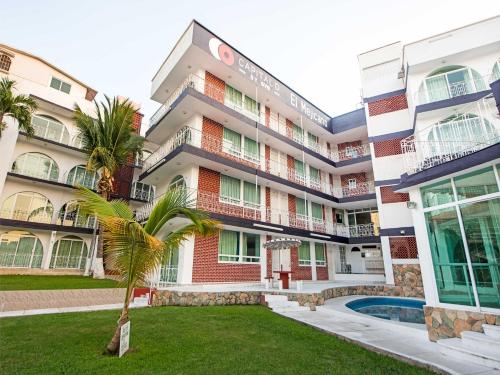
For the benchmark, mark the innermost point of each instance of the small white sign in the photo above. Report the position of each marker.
(124, 338)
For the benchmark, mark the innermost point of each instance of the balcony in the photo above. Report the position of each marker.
(214, 203)
(45, 215)
(193, 137)
(455, 137)
(278, 125)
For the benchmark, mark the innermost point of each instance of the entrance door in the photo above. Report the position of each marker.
(281, 261)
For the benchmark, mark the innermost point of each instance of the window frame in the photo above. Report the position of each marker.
(60, 84)
(239, 258)
(320, 263)
(307, 261)
(241, 202)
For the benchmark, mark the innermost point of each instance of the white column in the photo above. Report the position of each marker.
(263, 258)
(185, 266)
(313, 261)
(7, 145)
(47, 254)
(386, 253)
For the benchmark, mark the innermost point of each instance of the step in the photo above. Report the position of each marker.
(291, 309)
(275, 297)
(274, 304)
(492, 331)
(480, 341)
(141, 301)
(455, 348)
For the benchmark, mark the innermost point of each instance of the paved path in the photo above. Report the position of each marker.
(409, 342)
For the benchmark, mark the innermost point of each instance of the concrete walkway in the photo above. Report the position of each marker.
(404, 341)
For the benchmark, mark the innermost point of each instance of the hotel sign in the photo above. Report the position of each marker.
(239, 63)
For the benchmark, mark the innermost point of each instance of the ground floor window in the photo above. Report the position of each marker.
(169, 268)
(304, 254)
(464, 238)
(69, 252)
(239, 247)
(19, 249)
(320, 252)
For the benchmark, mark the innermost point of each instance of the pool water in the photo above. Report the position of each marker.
(399, 309)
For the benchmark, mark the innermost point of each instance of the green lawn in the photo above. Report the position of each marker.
(177, 340)
(28, 282)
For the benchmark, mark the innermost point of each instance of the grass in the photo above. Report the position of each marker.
(177, 340)
(32, 282)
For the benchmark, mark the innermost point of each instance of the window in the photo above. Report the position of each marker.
(476, 183)
(5, 62)
(304, 254)
(317, 211)
(298, 134)
(177, 182)
(232, 142)
(229, 189)
(251, 151)
(314, 175)
(20, 249)
(352, 183)
(496, 70)
(57, 84)
(69, 252)
(320, 252)
(79, 175)
(300, 170)
(251, 106)
(312, 141)
(143, 191)
(251, 194)
(233, 97)
(339, 216)
(438, 193)
(169, 268)
(70, 215)
(27, 206)
(49, 128)
(239, 247)
(36, 165)
(301, 207)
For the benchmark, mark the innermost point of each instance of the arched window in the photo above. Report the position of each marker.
(496, 71)
(71, 215)
(144, 192)
(78, 141)
(449, 82)
(79, 175)
(35, 164)
(177, 182)
(69, 252)
(20, 249)
(27, 206)
(50, 128)
(5, 62)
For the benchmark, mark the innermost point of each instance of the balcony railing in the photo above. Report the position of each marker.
(13, 260)
(277, 124)
(213, 203)
(451, 139)
(46, 216)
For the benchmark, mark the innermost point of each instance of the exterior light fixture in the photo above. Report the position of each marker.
(411, 205)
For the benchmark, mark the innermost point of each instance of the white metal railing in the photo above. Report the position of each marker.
(13, 260)
(213, 203)
(68, 262)
(453, 138)
(351, 152)
(361, 188)
(38, 215)
(374, 266)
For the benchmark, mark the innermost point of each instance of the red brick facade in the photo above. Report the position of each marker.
(342, 149)
(299, 272)
(289, 129)
(268, 116)
(269, 259)
(206, 266)
(387, 148)
(403, 247)
(214, 87)
(209, 180)
(212, 130)
(359, 177)
(394, 103)
(388, 195)
(267, 157)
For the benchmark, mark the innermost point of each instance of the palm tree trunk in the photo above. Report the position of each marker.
(114, 345)
(104, 185)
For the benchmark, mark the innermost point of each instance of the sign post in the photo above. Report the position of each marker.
(124, 338)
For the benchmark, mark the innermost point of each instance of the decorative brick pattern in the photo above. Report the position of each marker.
(388, 195)
(447, 323)
(289, 129)
(403, 247)
(214, 87)
(322, 272)
(394, 103)
(268, 204)
(387, 148)
(267, 157)
(359, 177)
(211, 130)
(342, 149)
(206, 267)
(209, 180)
(268, 116)
(299, 272)
(292, 208)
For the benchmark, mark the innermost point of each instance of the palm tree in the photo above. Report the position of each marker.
(134, 250)
(109, 141)
(19, 107)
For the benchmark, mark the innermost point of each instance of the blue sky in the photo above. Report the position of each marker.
(116, 46)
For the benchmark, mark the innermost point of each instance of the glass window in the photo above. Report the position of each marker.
(229, 189)
(251, 105)
(304, 254)
(229, 246)
(143, 191)
(339, 216)
(70, 215)
(27, 206)
(438, 193)
(79, 175)
(69, 252)
(298, 134)
(232, 142)
(50, 129)
(60, 85)
(312, 140)
(251, 248)
(251, 150)
(233, 96)
(20, 249)
(177, 182)
(5, 62)
(314, 174)
(352, 183)
(300, 169)
(36, 165)
(476, 183)
(319, 249)
(301, 206)
(449, 258)
(482, 225)
(317, 211)
(251, 194)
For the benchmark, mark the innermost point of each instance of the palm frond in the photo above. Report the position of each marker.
(94, 204)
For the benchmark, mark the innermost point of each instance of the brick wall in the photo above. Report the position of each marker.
(299, 272)
(403, 247)
(387, 148)
(388, 195)
(359, 177)
(206, 267)
(209, 180)
(268, 116)
(394, 103)
(289, 128)
(269, 260)
(292, 208)
(267, 158)
(268, 204)
(211, 130)
(343, 146)
(214, 87)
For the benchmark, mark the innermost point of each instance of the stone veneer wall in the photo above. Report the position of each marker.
(408, 277)
(446, 323)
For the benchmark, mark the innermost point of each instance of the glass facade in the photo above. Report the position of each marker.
(463, 224)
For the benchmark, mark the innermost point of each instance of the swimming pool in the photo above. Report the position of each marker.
(399, 309)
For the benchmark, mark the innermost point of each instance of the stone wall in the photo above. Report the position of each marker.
(173, 298)
(446, 323)
(408, 277)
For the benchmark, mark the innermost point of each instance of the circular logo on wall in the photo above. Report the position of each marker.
(221, 51)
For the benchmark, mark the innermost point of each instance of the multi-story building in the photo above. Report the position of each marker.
(41, 228)
(434, 125)
(266, 163)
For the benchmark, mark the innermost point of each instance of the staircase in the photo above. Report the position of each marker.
(480, 348)
(281, 304)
